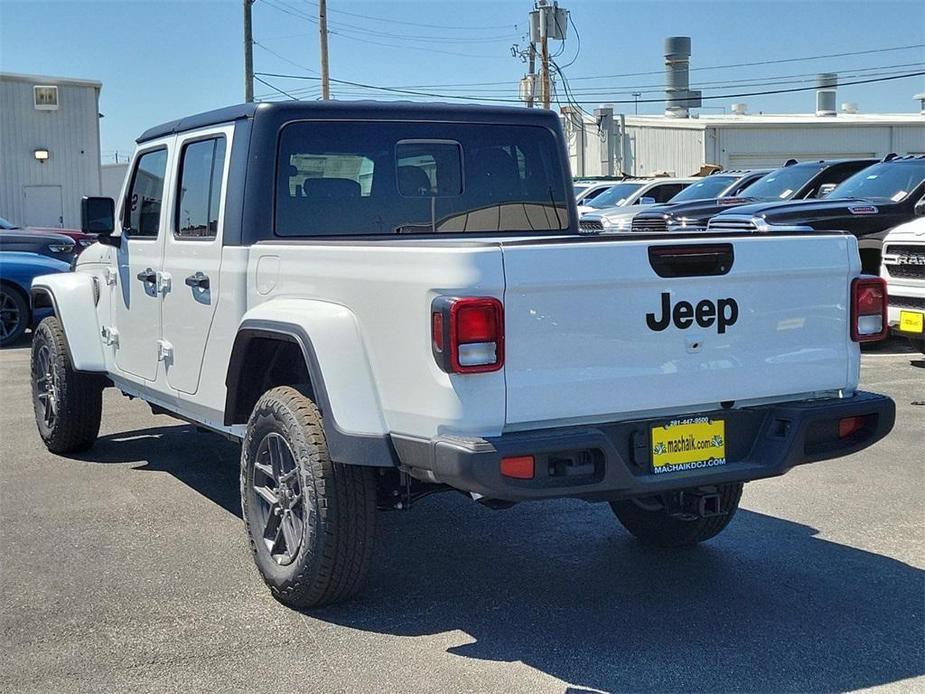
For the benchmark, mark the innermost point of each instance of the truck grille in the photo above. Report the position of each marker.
(590, 225)
(905, 261)
(731, 223)
(907, 302)
(652, 225)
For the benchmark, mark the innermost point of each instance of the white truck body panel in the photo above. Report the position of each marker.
(579, 346)
(903, 288)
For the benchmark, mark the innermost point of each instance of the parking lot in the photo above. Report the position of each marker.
(128, 566)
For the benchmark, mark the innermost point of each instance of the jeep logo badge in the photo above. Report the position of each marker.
(723, 313)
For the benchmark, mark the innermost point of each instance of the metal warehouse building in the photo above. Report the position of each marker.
(646, 145)
(49, 148)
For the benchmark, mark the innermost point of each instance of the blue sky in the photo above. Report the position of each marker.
(162, 60)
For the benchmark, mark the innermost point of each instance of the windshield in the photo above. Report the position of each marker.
(7, 225)
(782, 184)
(886, 181)
(364, 178)
(616, 196)
(709, 187)
(580, 189)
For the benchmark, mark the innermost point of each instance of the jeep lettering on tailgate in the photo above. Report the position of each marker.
(724, 312)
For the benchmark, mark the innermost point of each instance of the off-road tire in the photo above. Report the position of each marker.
(338, 506)
(13, 303)
(657, 528)
(77, 397)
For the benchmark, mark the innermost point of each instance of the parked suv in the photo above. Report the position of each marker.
(636, 191)
(793, 181)
(711, 186)
(867, 204)
(381, 301)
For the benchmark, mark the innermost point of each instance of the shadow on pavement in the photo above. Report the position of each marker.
(205, 462)
(766, 606)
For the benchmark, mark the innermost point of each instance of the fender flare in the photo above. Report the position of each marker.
(74, 296)
(355, 431)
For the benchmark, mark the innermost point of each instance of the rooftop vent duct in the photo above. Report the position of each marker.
(826, 82)
(849, 107)
(740, 109)
(679, 97)
(921, 99)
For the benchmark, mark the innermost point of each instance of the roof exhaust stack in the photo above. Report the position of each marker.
(679, 97)
(740, 109)
(826, 82)
(849, 107)
(921, 100)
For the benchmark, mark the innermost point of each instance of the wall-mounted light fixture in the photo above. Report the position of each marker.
(41, 154)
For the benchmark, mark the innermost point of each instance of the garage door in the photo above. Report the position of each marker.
(773, 161)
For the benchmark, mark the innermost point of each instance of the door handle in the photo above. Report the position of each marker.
(198, 281)
(147, 276)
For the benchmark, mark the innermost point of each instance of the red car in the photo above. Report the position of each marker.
(81, 240)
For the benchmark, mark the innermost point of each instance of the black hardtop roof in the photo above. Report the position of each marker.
(384, 110)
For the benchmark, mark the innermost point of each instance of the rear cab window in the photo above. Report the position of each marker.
(383, 177)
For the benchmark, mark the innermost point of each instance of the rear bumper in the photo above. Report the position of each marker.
(761, 442)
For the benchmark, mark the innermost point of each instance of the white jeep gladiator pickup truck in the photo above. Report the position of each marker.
(385, 300)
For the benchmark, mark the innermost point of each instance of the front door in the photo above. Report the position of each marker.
(137, 299)
(193, 253)
(42, 206)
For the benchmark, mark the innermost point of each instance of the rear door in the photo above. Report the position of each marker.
(193, 252)
(594, 333)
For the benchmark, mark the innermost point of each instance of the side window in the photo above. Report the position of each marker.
(428, 168)
(666, 192)
(141, 216)
(200, 189)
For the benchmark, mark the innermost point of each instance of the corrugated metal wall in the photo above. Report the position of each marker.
(773, 145)
(648, 151)
(70, 134)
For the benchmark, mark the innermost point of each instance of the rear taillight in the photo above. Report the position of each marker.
(868, 309)
(467, 334)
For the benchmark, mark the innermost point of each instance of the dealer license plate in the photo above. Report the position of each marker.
(911, 321)
(688, 444)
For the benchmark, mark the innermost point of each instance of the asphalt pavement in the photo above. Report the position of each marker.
(127, 569)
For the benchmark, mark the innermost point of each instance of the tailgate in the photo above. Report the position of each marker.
(580, 345)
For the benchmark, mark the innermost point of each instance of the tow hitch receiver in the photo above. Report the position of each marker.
(692, 504)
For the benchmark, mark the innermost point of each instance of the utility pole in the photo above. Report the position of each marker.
(636, 96)
(544, 48)
(532, 73)
(248, 53)
(323, 29)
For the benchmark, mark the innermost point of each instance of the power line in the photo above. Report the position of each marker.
(271, 86)
(874, 71)
(629, 101)
(703, 68)
(419, 24)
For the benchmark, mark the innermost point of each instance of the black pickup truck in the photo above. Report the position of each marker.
(793, 181)
(868, 204)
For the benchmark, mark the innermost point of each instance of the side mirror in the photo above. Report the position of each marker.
(646, 200)
(98, 216)
(919, 209)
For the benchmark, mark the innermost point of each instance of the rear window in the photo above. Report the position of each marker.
(360, 178)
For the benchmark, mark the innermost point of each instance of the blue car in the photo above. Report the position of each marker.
(16, 273)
